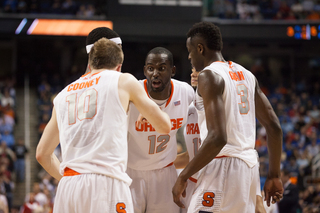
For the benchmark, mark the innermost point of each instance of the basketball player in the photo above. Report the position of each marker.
(192, 139)
(151, 154)
(193, 142)
(228, 98)
(98, 33)
(89, 119)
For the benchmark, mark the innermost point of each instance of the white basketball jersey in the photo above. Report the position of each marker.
(239, 103)
(191, 134)
(93, 126)
(149, 150)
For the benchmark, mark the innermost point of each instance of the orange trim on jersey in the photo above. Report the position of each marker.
(222, 156)
(171, 94)
(172, 88)
(170, 164)
(84, 75)
(70, 172)
(145, 87)
(193, 179)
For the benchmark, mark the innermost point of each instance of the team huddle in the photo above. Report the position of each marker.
(118, 134)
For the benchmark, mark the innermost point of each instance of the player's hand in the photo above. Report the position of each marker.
(178, 190)
(273, 190)
(140, 120)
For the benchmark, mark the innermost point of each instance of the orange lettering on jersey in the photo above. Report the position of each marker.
(97, 80)
(192, 128)
(139, 128)
(238, 76)
(233, 76)
(241, 77)
(81, 85)
(148, 126)
(75, 86)
(176, 123)
(196, 129)
(70, 87)
(179, 122)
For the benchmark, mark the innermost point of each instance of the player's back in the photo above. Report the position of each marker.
(93, 126)
(238, 97)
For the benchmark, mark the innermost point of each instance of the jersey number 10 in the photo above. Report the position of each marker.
(84, 108)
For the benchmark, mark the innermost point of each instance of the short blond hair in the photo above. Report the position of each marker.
(105, 54)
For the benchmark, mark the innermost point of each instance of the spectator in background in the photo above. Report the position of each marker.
(31, 205)
(40, 197)
(8, 138)
(6, 122)
(290, 201)
(20, 151)
(6, 154)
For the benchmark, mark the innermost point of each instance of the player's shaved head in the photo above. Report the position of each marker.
(100, 32)
(162, 50)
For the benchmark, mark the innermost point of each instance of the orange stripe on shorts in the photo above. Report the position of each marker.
(70, 172)
(170, 164)
(222, 156)
(193, 179)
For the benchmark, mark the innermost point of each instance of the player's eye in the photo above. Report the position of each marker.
(162, 68)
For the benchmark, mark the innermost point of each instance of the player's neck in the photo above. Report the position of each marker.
(215, 56)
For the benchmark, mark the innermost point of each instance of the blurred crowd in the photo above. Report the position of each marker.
(297, 108)
(266, 9)
(81, 9)
(12, 151)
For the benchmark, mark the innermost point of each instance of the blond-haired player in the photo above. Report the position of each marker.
(89, 119)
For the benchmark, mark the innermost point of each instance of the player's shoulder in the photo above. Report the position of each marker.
(182, 84)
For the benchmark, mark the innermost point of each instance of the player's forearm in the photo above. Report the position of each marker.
(274, 139)
(210, 148)
(51, 164)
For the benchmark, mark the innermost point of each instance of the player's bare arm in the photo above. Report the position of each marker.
(267, 117)
(131, 90)
(47, 144)
(210, 87)
(181, 160)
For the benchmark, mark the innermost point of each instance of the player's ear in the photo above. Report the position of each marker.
(200, 48)
(173, 71)
(118, 68)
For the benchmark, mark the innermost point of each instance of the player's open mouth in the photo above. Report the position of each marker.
(156, 83)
